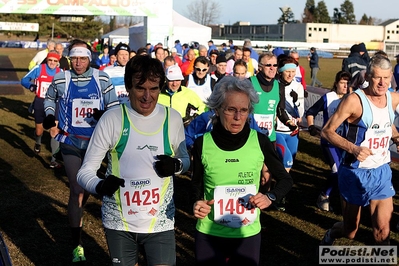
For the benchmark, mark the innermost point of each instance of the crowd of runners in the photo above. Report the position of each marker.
(228, 117)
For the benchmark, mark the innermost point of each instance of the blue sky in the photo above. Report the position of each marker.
(268, 12)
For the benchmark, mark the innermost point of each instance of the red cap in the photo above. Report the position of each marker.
(54, 55)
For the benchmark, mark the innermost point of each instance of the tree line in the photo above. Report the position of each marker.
(206, 12)
(345, 14)
(53, 26)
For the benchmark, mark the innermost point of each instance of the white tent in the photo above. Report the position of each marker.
(182, 29)
(117, 36)
(186, 31)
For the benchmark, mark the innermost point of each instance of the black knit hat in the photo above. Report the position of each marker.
(221, 59)
(122, 46)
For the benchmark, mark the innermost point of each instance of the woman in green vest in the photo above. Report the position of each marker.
(227, 164)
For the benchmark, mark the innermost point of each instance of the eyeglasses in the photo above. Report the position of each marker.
(201, 70)
(269, 65)
(81, 59)
(230, 111)
(52, 60)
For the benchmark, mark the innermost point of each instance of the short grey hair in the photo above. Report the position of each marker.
(378, 61)
(202, 47)
(51, 42)
(232, 84)
(247, 43)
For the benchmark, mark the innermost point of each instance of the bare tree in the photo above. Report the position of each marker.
(203, 11)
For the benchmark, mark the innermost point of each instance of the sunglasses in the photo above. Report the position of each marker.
(269, 65)
(201, 70)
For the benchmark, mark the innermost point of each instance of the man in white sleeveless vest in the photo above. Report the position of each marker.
(146, 146)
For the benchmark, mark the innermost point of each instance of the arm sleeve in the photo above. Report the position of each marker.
(197, 102)
(108, 90)
(99, 61)
(56, 88)
(176, 131)
(316, 107)
(301, 100)
(345, 65)
(313, 59)
(281, 113)
(102, 140)
(283, 179)
(197, 178)
(357, 80)
(196, 128)
(26, 81)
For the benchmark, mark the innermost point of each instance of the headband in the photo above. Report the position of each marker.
(81, 52)
(286, 66)
(54, 55)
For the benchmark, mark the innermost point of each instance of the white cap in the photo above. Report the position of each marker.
(174, 50)
(174, 73)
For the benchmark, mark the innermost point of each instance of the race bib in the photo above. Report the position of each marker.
(140, 198)
(44, 88)
(265, 121)
(82, 112)
(378, 141)
(123, 95)
(232, 207)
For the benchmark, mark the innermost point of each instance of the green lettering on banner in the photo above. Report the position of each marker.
(87, 7)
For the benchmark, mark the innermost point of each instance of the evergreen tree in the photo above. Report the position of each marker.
(322, 13)
(348, 12)
(365, 20)
(89, 29)
(308, 12)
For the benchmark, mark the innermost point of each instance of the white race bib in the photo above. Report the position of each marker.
(232, 207)
(123, 95)
(82, 112)
(140, 198)
(44, 88)
(265, 121)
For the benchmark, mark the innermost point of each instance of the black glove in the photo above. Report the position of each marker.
(312, 130)
(33, 87)
(290, 125)
(294, 96)
(49, 122)
(97, 113)
(305, 93)
(109, 185)
(167, 166)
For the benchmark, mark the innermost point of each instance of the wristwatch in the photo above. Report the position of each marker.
(271, 196)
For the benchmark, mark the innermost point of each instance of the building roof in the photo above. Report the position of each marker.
(387, 22)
